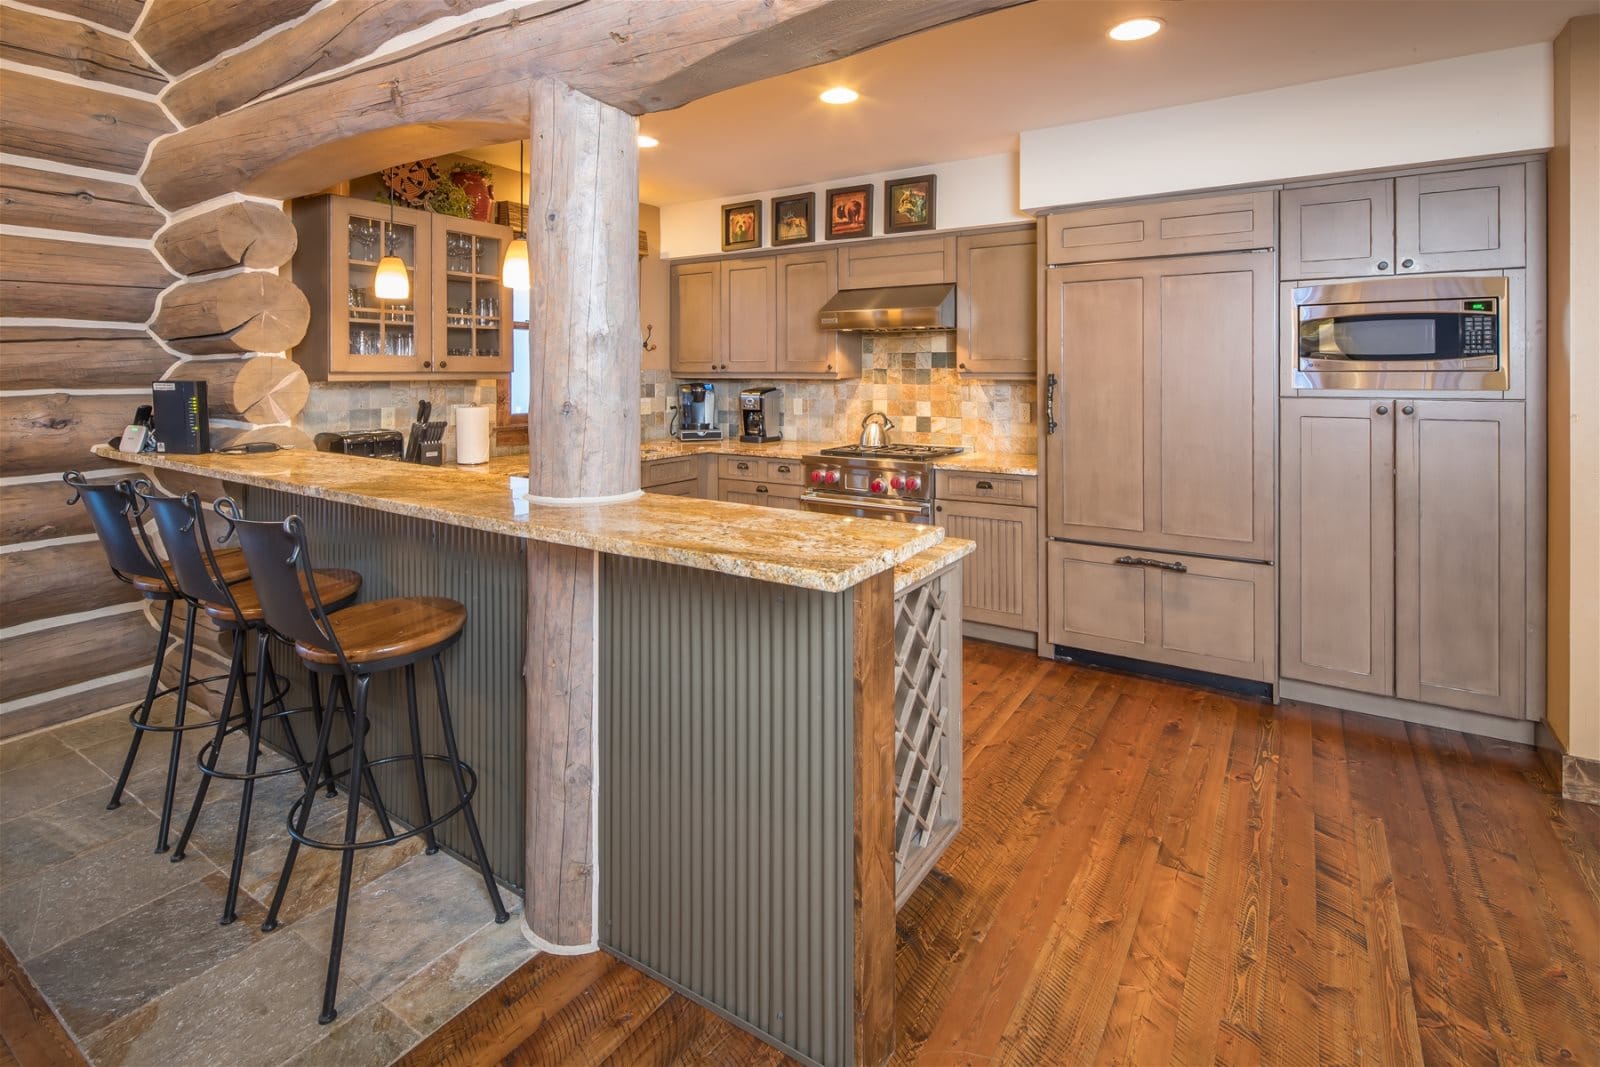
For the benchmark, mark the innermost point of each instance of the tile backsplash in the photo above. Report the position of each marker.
(389, 405)
(911, 378)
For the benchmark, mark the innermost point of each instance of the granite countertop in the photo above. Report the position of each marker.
(804, 549)
(1021, 463)
(931, 560)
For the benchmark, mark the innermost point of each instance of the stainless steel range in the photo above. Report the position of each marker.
(873, 481)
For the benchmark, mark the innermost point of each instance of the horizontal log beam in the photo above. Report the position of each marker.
(67, 655)
(53, 357)
(121, 695)
(38, 511)
(259, 390)
(42, 433)
(49, 200)
(76, 48)
(116, 14)
(182, 34)
(253, 312)
(42, 583)
(631, 54)
(245, 234)
(322, 41)
(76, 124)
(42, 278)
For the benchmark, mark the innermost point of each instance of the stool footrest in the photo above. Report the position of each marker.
(467, 772)
(170, 728)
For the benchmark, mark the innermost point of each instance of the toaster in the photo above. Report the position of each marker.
(374, 444)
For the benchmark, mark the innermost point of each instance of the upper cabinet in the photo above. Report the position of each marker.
(1423, 223)
(997, 303)
(456, 323)
(929, 260)
(806, 281)
(749, 315)
(1233, 222)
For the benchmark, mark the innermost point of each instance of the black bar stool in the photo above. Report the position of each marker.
(234, 607)
(352, 646)
(116, 510)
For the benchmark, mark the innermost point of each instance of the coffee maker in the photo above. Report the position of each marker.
(760, 415)
(697, 412)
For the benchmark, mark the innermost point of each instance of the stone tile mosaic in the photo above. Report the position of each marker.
(389, 405)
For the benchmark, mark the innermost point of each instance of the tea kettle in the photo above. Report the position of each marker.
(874, 434)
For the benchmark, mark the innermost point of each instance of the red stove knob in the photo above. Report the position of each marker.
(913, 483)
(833, 477)
(877, 485)
(817, 476)
(898, 482)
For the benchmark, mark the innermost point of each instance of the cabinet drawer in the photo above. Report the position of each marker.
(992, 488)
(767, 494)
(661, 471)
(1213, 615)
(741, 468)
(783, 471)
(691, 487)
(1169, 228)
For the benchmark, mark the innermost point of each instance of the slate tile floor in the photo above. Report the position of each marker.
(125, 944)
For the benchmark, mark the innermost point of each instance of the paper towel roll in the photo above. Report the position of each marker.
(472, 433)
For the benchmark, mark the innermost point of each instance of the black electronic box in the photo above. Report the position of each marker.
(182, 423)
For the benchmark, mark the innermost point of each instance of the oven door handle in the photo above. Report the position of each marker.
(853, 502)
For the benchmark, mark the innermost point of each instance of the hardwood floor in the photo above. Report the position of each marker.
(30, 1033)
(1153, 874)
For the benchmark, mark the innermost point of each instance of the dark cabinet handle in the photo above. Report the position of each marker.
(828, 367)
(1050, 403)
(1144, 561)
(1383, 409)
(783, 468)
(761, 489)
(1408, 263)
(443, 364)
(427, 364)
(1408, 410)
(961, 366)
(743, 466)
(985, 485)
(1383, 264)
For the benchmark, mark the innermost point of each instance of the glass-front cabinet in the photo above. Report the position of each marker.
(456, 322)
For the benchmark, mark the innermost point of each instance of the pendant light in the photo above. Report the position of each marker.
(391, 282)
(514, 270)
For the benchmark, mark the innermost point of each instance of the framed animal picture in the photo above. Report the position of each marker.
(794, 219)
(849, 212)
(908, 204)
(741, 225)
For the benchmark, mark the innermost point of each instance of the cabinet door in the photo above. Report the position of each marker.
(1338, 231)
(1165, 404)
(1460, 554)
(999, 581)
(369, 337)
(472, 310)
(696, 318)
(1194, 225)
(997, 303)
(749, 316)
(1337, 507)
(903, 261)
(1461, 220)
(806, 281)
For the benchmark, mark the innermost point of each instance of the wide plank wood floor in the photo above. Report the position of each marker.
(1154, 874)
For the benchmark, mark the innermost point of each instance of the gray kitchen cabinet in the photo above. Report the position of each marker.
(805, 281)
(673, 476)
(765, 494)
(1473, 219)
(1461, 220)
(1193, 612)
(1337, 544)
(1193, 225)
(1164, 385)
(696, 318)
(1000, 580)
(749, 316)
(997, 303)
(1404, 549)
(929, 260)
(1344, 230)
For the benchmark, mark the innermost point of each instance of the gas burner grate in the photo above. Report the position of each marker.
(893, 451)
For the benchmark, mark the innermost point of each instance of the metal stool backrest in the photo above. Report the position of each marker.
(182, 526)
(280, 568)
(115, 511)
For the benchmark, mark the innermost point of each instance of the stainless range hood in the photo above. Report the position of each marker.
(895, 309)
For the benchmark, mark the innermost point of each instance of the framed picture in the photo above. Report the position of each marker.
(849, 212)
(741, 225)
(908, 204)
(794, 219)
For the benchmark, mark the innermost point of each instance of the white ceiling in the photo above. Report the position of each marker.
(969, 88)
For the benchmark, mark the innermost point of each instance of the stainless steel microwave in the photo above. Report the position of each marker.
(1448, 332)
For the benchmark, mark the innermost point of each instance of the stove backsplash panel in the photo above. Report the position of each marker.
(911, 378)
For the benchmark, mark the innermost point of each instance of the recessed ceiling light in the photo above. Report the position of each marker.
(840, 95)
(1135, 29)
(646, 141)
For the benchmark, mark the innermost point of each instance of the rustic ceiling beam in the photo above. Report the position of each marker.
(636, 55)
(183, 34)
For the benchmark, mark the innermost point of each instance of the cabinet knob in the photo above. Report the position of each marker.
(427, 364)
(442, 364)
(961, 366)
(1383, 264)
(1383, 409)
(1408, 263)
(1408, 410)
(828, 367)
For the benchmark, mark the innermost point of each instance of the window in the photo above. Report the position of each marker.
(513, 392)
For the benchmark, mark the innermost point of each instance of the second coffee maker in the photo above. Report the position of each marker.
(760, 415)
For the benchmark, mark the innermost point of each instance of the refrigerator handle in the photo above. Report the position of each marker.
(1050, 403)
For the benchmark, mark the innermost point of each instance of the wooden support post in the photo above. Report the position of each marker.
(874, 790)
(583, 225)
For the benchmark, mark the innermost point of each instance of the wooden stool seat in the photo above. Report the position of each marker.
(389, 629)
(335, 586)
(229, 561)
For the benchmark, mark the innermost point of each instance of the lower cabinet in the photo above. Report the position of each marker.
(773, 483)
(772, 495)
(1192, 612)
(1000, 580)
